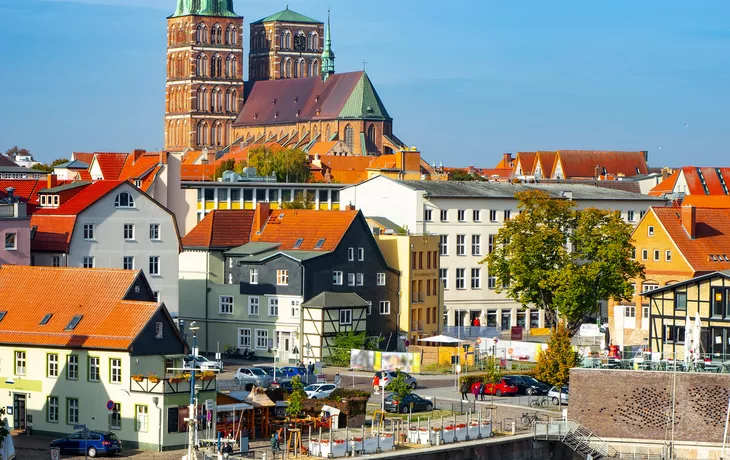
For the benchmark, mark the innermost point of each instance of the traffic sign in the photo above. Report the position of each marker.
(55, 453)
(80, 427)
(110, 405)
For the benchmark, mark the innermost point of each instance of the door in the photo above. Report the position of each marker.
(506, 320)
(19, 411)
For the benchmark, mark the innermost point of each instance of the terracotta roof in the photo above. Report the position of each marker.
(111, 164)
(665, 186)
(707, 201)
(190, 156)
(706, 181)
(712, 236)
(25, 189)
(197, 172)
(83, 157)
(322, 148)
(109, 320)
(584, 163)
(82, 199)
(526, 161)
(286, 226)
(84, 175)
(221, 229)
(52, 234)
(547, 162)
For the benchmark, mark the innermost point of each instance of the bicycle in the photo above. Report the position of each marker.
(539, 402)
(529, 418)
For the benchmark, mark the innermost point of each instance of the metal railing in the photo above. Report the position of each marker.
(466, 332)
(579, 438)
(658, 362)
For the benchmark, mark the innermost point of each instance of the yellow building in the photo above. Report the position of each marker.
(417, 258)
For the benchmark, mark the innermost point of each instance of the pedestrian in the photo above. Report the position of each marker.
(481, 391)
(311, 368)
(273, 442)
(464, 391)
(376, 384)
(475, 391)
(338, 380)
(227, 450)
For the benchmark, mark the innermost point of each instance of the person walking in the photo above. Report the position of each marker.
(464, 391)
(338, 380)
(376, 384)
(481, 391)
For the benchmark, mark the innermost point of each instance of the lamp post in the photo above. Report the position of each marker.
(192, 413)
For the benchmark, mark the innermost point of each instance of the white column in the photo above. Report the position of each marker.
(253, 196)
(329, 199)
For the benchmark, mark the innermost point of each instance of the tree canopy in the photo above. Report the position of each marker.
(554, 364)
(16, 151)
(563, 260)
(223, 166)
(463, 175)
(288, 165)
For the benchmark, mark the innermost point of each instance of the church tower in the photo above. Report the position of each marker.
(204, 90)
(328, 56)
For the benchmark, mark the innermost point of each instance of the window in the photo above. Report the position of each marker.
(298, 243)
(656, 254)
(320, 243)
(360, 254)
(52, 370)
(360, 279)
(476, 215)
(492, 215)
(253, 306)
(157, 296)
(337, 278)
(262, 339)
(282, 277)
(645, 312)
(93, 369)
(72, 367)
(650, 230)
(89, 232)
(350, 279)
(345, 317)
(115, 418)
(427, 215)
(52, 410)
(295, 308)
(460, 245)
(630, 216)
(124, 200)
(384, 307)
(490, 243)
(444, 277)
(11, 242)
(140, 418)
(668, 255)
(648, 287)
(644, 254)
(641, 214)
(630, 311)
(244, 338)
(534, 319)
(273, 306)
(225, 305)
(460, 278)
(381, 279)
(72, 411)
(718, 301)
(491, 282)
(115, 370)
(476, 278)
(476, 245)
(128, 263)
(128, 231)
(461, 215)
(56, 261)
(253, 276)
(19, 363)
(88, 262)
(155, 232)
(154, 265)
(159, 331)
(351, 254)
(444, 245)
(507, 214)
(46, 318)
(444, 215)
(680, 301)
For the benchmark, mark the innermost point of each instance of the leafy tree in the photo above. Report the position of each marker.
(301, 201)
(288, 165)
(463, 175)
(346, 341)
(492, 372)
(45, 167)
(16, 151)
(296, 397)
(240, 166)
(398, 385)
(223, 166)
(59, 161)
(3, 431)
(534, 265)
(554, 364)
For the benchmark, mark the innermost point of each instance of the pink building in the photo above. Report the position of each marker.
(15, 231)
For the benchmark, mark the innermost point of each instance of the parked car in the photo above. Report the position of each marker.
(291, 371)
(98, 443)
(254, 375)
(285, 385)
(319, 390)
(202, 363)
(411, 402)
(553, 394)
(527, 385)
(500, 389)
(387, 376)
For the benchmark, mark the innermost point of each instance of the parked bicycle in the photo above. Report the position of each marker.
(529, 418)
(539, 402)
(231, 352)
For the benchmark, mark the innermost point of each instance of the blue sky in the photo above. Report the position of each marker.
(465, 80)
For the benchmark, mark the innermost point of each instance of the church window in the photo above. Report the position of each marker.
(231, 33)
(216, 66)
(299, 68)
(314, 68)
(349, 137)
(286, 40)
(201, 34)
(202, 133)
(202, 100)
(313, 41)
(231, 64)
(286, 68)
(328, 133)
(216, 132)
(300, 41)
(202, 65)
(371, 134)
(216, 34)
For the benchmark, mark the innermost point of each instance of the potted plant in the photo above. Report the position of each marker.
(137, 377)
(177, 378)
(207, 375)
(153, 378)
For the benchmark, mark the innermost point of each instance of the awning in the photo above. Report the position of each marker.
(233, 407)
(441, 339)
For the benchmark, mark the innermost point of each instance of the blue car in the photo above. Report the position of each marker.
(98, 443)
(291, 371)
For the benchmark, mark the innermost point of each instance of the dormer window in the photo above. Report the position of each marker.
(124, 200)
(298, 243)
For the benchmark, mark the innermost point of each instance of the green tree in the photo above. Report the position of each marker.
(554, 364)
(288, 165)
(399, 385)
(296, 397)
(534, 265)
(240, 166)
(3, 431)
(492, 372)
(346, 341)
(16, 151)
(223, 166)
(59, 161)
(301, 201)
(45, 167)
(463, 175)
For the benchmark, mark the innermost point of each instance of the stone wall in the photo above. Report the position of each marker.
(638, 404)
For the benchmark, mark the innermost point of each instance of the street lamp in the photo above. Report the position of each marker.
(193, 416)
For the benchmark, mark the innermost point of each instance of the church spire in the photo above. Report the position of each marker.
(328, 56)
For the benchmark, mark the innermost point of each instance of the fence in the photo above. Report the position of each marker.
(646, 361)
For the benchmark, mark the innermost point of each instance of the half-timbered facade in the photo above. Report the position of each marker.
(708, 295)
(328, 314)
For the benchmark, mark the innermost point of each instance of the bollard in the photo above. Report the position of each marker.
(378, 434)
(441, 440)
(363, 439)
(468, 421)
(479, 436)
(331, 445)
(418, 431)
(428, 430)
(514, 424)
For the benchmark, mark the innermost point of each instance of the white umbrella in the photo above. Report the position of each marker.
(8, 450)
(467, 320)
(483, 319)
(441, 339)
(687, 339)
(696, 339)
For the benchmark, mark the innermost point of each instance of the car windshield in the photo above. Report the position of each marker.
(258, 372)
(530, 380)
(312, 388)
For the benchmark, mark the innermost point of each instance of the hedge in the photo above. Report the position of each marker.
(473, 378)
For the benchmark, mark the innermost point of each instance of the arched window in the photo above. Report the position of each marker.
(216, 66)
(201, 65)
(231, 66)
(218, 102)
(234, 101)
(314, 68)
(180, 34)
(300, 41)
(314, 41)
(201, 34)
(371, 134)
(349, 137)
(202, 100)
(202, 133)
(216, 134)
(286, 40)
(180, 66)
(286, 68)
(216, 34)
(315, 131)
(301, 68)
(328, 133)
(124, 200)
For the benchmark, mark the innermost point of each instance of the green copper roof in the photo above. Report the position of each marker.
(328, 56)
(364, 102)
(216, 8)
(287, 15)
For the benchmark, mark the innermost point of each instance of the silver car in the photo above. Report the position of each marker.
(553, 395)
(387, 376)
(254, 375)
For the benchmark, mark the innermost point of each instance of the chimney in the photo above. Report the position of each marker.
(52, 181)
(11, 194)
(350, 207)
(261, 215)
(665, 173)
(136, 154)
(507, 160)
(211, 157)
(163, 157)
(689, 220)
(645, 154)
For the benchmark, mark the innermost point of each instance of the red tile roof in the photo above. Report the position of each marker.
(109, 321)
(111, 164)
(706, 181)
(288, 225)
(84, 175)
(52, 233)
(707, 201)
(83, 199)
(586, 163)
(144, 168)
(25, 189)
(712, 236)
(665, 186)
(197, 172)
(547, 162)
(526, 161)
(322, 148)
(221, 229)
(83, 157)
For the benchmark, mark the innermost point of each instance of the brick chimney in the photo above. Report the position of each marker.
(261, 215)
(52, 181)
(689, 220)
(350, 207)
(136, 154)
(507, 160)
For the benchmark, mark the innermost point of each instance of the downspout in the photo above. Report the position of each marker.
(207, 275)
(301, 318)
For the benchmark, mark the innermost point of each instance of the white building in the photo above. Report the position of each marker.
(468, 216)
(108, 224)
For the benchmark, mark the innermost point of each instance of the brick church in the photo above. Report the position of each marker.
(292, 97)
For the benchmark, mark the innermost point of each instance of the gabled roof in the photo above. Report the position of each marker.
(547, 162)
(111, 164)
(387, 224)
(586, 163)
(665, 186)
(328, 299)
(707, 180)
(717, 274)
(712, 236)
(287, 226)
(52, 233)
(5, 161)
(221, 229)
(288, 15)
(526, 161)
(64, 187)
(707, 201)
(109, 320)
(25, 189)
(83, 199)
(84, 157)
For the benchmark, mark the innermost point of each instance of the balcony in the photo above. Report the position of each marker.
(418, 297)
(169, 385)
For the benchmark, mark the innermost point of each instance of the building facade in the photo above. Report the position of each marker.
(15, 231)
(204, 90)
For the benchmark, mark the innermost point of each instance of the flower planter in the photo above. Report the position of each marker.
(426, 436)
(314, 448)
(154, 379)
(387, 442)
(448, 434)
(137, 378)
(370, 445)
(461, 431)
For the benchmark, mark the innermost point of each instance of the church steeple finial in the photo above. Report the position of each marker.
(328, 56)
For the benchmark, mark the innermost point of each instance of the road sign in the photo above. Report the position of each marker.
(55, 451)
(79, 427)
(110, 405)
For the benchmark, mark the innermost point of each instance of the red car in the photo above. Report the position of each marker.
(500, 389)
